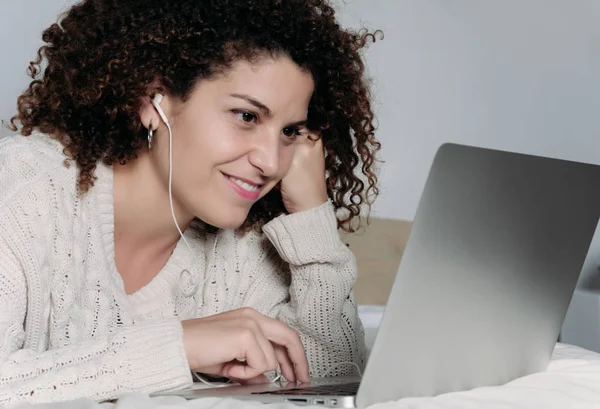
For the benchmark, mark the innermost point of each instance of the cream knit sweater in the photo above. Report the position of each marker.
(68, 329)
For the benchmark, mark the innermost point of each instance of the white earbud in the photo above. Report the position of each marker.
(156, 102)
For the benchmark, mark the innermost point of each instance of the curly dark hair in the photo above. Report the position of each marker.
(102, 56)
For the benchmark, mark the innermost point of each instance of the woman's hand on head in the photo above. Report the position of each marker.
(243, 345)
(304, 186)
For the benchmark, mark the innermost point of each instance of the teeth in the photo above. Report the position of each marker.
(244, 185)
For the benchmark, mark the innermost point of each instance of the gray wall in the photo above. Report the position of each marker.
(21, 25)
(522, 75)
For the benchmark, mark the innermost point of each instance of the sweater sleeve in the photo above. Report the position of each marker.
(321, 305)
(145, 358)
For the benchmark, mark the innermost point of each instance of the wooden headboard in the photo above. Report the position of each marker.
(378, 249)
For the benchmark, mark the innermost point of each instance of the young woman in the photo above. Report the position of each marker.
(171, 201)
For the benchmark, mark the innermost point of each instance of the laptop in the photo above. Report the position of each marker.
(495, 251)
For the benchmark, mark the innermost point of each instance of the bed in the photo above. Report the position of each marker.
(572, 380)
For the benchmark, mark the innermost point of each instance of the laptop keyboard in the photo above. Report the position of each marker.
(342, 389)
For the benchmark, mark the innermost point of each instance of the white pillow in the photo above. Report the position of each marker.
(370, 315)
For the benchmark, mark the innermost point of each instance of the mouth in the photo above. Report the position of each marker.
(243, 187)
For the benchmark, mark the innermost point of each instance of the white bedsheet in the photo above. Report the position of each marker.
(572, 381)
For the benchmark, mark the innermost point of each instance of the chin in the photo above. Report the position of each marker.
(231, 225)
(231, 219)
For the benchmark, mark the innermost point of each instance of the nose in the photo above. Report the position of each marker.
(264, 154)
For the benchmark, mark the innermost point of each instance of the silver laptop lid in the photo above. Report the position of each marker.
(496, 248)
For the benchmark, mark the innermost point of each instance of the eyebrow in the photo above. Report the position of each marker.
(254, 102)
(298, 123)
(265, 109)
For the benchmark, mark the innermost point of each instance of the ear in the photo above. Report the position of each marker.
(148, 114)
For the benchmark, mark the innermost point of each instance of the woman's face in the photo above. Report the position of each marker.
(233, 139)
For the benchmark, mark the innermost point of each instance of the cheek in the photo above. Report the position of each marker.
(212, 144)
(286, 159)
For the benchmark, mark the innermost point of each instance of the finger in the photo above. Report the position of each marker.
(297, 355)
(268, 350)
(250, 321)
(256, 362)
(317, 140)
(240, 371)
(300, 366)
(287, 368)
(312, 134)
(307, 139)
(280, 333)
(216, 370)
(276, 331)
(313, 142)
(257, 380)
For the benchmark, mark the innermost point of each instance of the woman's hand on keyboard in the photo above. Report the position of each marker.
(243, 345)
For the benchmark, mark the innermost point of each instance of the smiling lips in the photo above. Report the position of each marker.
(246, 189)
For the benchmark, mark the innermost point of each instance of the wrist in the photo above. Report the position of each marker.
(187, 344)
(309, 203)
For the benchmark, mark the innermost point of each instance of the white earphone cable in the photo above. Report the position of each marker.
(171, 185)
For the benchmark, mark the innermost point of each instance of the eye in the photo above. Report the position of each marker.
(245, 116)
(292, 132)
